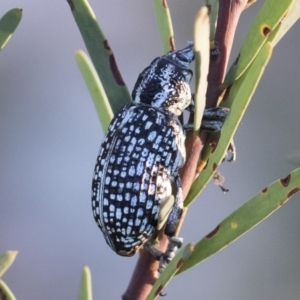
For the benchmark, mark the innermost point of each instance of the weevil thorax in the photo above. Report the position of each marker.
(165, 84)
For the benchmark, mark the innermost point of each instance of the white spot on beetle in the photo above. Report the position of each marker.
(143, 197)
(134, 201)
(149, 204)
(148, 125)
(144, 223)
(128, 185)
(152, 136)
(107, 180)
(131, 171)
(119, 214)
(140, 169)
(140, 212)
(128, 231)
(151, 190)
(136, 186)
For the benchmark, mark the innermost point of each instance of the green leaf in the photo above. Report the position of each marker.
(170, 271)
(101, 54)
(6, 260)
(201, 44)
(232, 122)
(288, 21)
(96, 89)
(8, 23)
(242, 91)
(165, 27)
(266, 202)
(268, 18)
(85, 292)
(213, 6)
(5, 292)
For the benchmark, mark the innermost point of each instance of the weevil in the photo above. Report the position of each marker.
(141, 153)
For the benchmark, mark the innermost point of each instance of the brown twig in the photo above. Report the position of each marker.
(143, 276)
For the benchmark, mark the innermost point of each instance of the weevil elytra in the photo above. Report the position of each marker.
(142, 152)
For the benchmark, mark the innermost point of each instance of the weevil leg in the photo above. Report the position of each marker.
(213, 119)
(157, 254)
(216, 113)
(165, 259)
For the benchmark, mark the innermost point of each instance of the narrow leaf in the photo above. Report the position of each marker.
(96, 89)
(8, 23)
(201, 44)
(5, 292)
(266, 202)
(101, 54)
(6, 261)
(242, 90)
(268, 18)
(213, 6)
(232, 122)
(165, 27)
(85, 292)
(288, 21)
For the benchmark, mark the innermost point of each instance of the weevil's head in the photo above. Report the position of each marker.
(165, 83)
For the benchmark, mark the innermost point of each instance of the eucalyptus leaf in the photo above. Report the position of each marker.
(201, 44)
(213, 6)
(8, 24)
(85, 292)
(5, 292)
(96, 89)
(101, 54)
(288, 21)
(268, 18)
(242, 89)
(165, 27)
(250, 214)
(6, 261)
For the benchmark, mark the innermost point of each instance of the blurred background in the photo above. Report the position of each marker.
(49, 139)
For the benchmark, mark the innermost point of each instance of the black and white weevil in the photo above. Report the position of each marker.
(140, 156)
